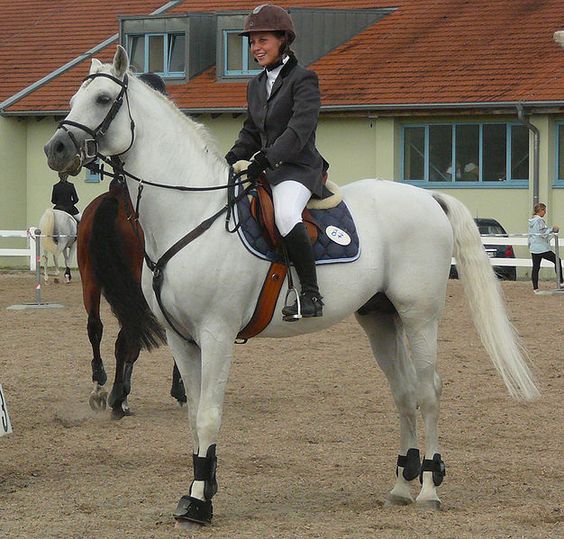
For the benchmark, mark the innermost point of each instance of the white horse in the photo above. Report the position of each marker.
(58, 236)
(210, 287)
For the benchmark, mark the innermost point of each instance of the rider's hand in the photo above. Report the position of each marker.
(259, 163)
(555, 228)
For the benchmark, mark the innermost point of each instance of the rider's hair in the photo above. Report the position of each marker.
(538, 207)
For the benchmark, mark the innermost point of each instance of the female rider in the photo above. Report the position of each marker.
(283, 104)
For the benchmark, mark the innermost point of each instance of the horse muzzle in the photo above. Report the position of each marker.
(63, 154)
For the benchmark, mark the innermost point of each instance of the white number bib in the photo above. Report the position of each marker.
(337, 235)
(5, 425)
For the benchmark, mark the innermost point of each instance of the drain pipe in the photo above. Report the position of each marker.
(536, 145)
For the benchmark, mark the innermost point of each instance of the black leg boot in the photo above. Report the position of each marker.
(300, 251)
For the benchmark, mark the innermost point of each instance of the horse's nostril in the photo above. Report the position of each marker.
(59, 148)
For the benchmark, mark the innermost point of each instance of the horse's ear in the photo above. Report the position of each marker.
(95, 66)
(121, 62)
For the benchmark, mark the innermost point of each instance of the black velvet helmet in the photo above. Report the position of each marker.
(154, 81)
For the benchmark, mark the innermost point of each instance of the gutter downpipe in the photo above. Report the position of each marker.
(536, 147)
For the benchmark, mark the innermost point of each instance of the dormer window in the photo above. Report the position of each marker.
(161, 53)
(238, 60)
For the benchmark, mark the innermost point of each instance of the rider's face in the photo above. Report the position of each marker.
(265, 47)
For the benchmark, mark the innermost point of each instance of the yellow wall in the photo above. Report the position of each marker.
(360, 146)
(13, 146)
(13, 186)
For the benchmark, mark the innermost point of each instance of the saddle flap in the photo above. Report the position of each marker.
(262, 209)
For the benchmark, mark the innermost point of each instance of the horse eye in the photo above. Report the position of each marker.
(103, 99)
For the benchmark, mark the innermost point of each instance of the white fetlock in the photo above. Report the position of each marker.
(401, 493)
(428, 498)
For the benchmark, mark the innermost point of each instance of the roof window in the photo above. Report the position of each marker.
(175, 47)
(160, 53)
(237, 60)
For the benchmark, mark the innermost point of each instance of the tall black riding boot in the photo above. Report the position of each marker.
(300, 251)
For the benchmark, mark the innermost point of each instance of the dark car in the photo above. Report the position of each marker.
(491, 226)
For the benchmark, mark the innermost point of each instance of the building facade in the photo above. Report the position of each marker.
(420, 92)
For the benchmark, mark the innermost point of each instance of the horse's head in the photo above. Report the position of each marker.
(99, 120)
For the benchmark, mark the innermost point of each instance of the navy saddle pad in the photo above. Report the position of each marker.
(337, 240)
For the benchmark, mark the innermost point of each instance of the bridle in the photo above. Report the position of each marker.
(89, 148)
(88, 151)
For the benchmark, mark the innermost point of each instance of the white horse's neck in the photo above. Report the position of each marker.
(171, 149)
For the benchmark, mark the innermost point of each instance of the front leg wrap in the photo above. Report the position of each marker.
(435, 465)
(193, 509)
(410, 463)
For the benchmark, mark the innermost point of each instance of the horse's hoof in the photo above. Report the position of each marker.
(429, 505)
(117, 414)
(120, 412)
(180, 404)
(98, 401)
(394, 500)
(193, 510)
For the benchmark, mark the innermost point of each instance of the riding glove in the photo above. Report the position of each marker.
(231, 158)
(259, 163)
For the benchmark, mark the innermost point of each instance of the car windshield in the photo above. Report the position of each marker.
(491, 229)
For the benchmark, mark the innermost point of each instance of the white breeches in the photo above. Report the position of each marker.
(290, 199)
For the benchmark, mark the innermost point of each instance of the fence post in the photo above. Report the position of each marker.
(37, 233)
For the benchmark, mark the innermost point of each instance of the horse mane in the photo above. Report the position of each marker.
(204, 138)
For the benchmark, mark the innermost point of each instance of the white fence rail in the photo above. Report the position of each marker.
(494, 239)
(515, 240)
(518, 240)
(29, 251)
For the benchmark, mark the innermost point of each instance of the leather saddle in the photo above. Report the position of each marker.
(262, 209)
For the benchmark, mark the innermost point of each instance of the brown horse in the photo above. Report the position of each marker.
(110, 259)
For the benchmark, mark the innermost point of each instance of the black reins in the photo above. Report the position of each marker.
(89, 151)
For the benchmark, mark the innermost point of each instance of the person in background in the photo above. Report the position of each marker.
(64, 198)
(278, 136)
(154, 81)
(539, 244)
(471, 172)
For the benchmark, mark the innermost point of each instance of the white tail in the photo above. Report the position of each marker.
(47, 224)
(486, 302)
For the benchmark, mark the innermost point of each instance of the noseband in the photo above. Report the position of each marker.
(89, 148)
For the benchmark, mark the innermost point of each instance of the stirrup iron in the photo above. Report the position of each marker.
(298, 315)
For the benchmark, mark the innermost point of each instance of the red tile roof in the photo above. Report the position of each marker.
(427, 52)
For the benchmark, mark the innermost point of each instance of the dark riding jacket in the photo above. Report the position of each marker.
(283, 126)
(64, 197)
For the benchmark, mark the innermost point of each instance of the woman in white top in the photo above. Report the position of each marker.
(539, 243)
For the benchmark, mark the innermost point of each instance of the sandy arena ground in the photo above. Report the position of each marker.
(309, 438)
